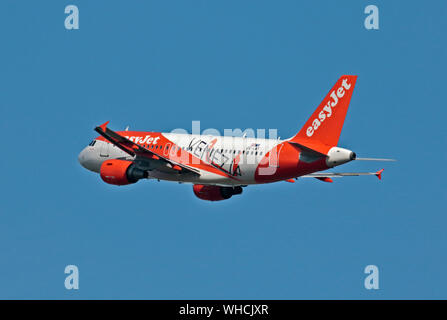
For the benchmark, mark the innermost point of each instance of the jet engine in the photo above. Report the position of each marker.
(121, 172)
(215, 193)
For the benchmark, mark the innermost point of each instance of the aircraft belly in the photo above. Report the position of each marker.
(204, 178)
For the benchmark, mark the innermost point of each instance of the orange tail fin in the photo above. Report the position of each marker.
(324, 126)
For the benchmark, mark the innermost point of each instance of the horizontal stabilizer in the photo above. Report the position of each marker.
(326, 175)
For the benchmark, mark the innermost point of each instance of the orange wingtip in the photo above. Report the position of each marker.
(379, 174)
(104, 126)
(290, 180)
(325, 179)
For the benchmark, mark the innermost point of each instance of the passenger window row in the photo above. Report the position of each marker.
(227, 151)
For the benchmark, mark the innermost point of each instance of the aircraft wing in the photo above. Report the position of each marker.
(137, 150)
(323, 175)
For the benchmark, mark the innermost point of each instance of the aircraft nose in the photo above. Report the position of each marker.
(82, 157)
(87, 159)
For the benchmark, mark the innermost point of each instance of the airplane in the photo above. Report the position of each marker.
(219, 167)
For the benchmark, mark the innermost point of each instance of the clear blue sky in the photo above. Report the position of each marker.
(158, 65)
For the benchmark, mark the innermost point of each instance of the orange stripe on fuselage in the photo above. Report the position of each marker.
(288, 165)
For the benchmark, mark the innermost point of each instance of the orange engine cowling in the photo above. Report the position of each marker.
(215, 193)
(121, 172)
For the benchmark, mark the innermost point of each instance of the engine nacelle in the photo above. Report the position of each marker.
(215, 193)
(121, 172)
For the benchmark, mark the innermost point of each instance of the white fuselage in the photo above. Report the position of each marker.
(205, 149)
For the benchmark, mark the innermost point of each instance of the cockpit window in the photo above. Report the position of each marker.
(91, 144)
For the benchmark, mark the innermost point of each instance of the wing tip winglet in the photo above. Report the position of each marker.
(104, 126)
(379, 174)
